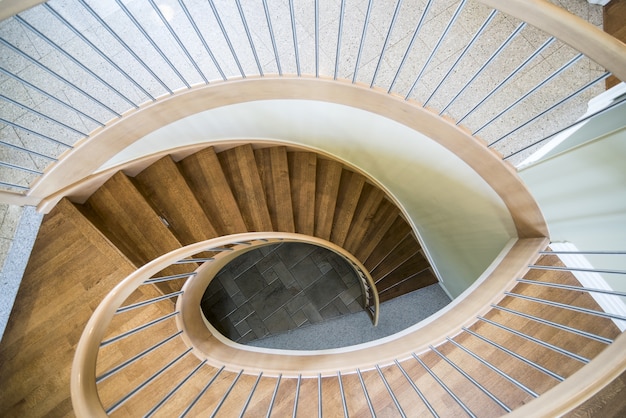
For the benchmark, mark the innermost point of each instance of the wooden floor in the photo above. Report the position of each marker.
(615, 25)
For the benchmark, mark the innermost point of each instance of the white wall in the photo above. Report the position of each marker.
(462, 221)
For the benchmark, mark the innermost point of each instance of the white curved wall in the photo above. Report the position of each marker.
(462, 222)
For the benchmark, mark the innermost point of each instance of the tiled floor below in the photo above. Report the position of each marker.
(278, 288)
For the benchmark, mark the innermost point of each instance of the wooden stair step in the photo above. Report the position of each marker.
(408, 278)
(242, 174)
(207, 181)
(128, 221)
(165, 188)
(370, 200)
(326, 190)
(302, 173)
(405, 249)
(350, 187)
(384, 218)
(394, 236)
(274, 171)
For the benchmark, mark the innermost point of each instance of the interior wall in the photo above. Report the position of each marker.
(462, 222)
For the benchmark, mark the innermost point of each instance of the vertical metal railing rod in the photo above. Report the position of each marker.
(27, 151)
(471, 379)
(148, 302)
(362, 42)
(508, 78)
(169, 278)
(174, 390)
(342, 11)
(557, 268)
(482, 68)
(319, 395)
(136, 357)
(317, 38)
(230, 388)
(69, 56)
(245, 405)
(583, 252)
(46, 117)
(202, 40)
(194, 260)
(514, 354)
(495, 369)
(554, 106)
(343, 396)
(269, 409)
(416, 389)
(536, 341)
(242, 16)
(146, 382)
(384, 48)
(31, 132)
(294, 34)
(555, 325)
(453, 19)
(296, 396)
(152, 42)
(393, 396)
(137, 329)
(201, 393)
(268, 18)
(58, 77)
(367, 396)
(410, 46)
(218, 19)
(571, 125)
(444, 386)
(575, 288)
(469, 45)
(20, 168)
(531, 91)
(125, 45)
(103, 55)
(180, 43)
(568, 307)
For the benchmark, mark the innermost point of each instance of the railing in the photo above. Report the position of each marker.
(176, 47)
(492, 365)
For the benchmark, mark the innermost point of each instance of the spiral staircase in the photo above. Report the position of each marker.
(143, 209)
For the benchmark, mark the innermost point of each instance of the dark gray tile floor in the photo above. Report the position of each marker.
(274, 289)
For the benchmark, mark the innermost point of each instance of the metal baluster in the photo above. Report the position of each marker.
(148, 302)
(443, 385)
(194, 260)
(575, 288)
(295, 36)
(462, 54)
(343, 396)
(245, 406)
(137, 329)
(419, 392)
(471, 379)
(495, 369)
(358, 57)
(367, 396)
(31, 132)
(230, 388)
(529, 92)
(17, 186)
(21, 149)
(67, 55)
(584, 252)
(319, 395)
(555, 325)
(339, 33)
(569, 307)
(136, 357)
(517, 356)
(178, 41)
(384, 48)
(413, 38)
(295, 399)
(439, 42)
(485, 65)
(247, 29)
(46, 117)
(98, 50)
(125, 45)
(168, 278)
(393, 396)
(152, 42)
(532, 266)
(317, 39)
(173, 391)
(17, 167)
(554, 106)
(272, 37)
(509, 77)
(146, 382)
(202, 392)
(269, 410)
